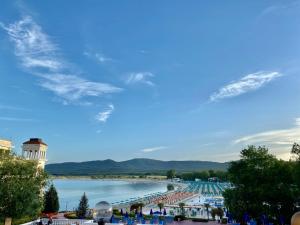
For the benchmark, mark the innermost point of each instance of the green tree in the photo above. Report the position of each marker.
(214, 213)
(220, 212)
(160, 206)
(137, 206)
(21, 185)
(222, 175)
(212, 173)
(170, 187)
(261, 184)
(204, 175)
(141, 204)
(82, 207)
(296, 150)
(171, 174)
(51, 203)
(181, 206)
(207, 206)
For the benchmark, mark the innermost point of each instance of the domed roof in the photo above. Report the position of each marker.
(103, 205)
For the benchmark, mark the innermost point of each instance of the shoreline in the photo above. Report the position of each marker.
(124, 178)
(126, 205)
(177, 185)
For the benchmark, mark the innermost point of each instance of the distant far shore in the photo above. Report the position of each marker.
(111, 177)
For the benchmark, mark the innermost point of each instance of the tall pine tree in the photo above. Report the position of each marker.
(51, 203)
(82, 207)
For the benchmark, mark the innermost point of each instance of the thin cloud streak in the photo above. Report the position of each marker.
(72, 87)
(40, 57)
(104, 115)
(9, 107)
(248, 83)
(153, 149)
(279, 140)
(279, 8)
(140, 77)
(15, 119)
(99, 57)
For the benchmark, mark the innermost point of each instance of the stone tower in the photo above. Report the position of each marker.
(35, 149)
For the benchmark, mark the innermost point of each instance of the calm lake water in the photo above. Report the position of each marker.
(70, 191)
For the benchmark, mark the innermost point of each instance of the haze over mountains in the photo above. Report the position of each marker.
(133, 166)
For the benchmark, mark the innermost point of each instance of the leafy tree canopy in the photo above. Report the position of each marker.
(137, 206)
(21, 184)
(170, 187)
(262, 184)
(160, 206)
(204, 175)
(171, 174)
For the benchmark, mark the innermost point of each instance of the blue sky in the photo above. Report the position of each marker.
(182, 80)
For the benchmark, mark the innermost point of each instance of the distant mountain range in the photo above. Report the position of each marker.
(133, 166)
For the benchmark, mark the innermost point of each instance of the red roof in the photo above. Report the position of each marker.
(35, 141)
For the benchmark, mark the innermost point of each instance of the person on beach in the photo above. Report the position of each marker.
(295, 220)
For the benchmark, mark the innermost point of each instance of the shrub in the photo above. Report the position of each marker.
(22, 220)
(70, 215)
(161, 218)
(200, 220)
(148, 217)
(132, 214)
(116, 212)
(224, 220)
(170, 187)
(179, 218)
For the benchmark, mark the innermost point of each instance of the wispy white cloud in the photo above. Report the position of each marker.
(142, 51)
(279, 140)
(104, 115)
(32, 46)
(9, 107)
(15, 119)
(153, 149)
(50, 64)
(41, 57)
(140, 77)
(224, 156)
(207, 144)
(280, 8)
(99, 57)
(246, 84)
(72, 87)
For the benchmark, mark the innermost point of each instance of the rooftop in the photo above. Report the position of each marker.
(35, 141)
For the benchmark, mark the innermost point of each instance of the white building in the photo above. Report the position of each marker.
(5, 146)
(35, 149)
(102, 211)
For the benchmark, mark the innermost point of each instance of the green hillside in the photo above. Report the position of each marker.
(133, 166)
